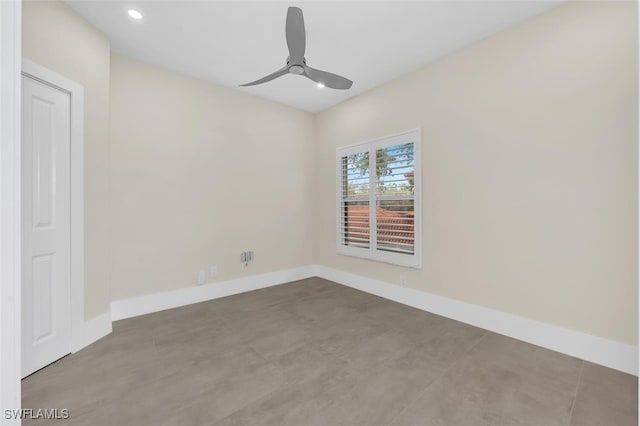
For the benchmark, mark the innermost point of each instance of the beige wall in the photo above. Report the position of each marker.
(530, 170)
(55, 37)
(199, 174)
(529, 179)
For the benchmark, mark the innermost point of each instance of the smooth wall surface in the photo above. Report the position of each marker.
(57, 38)
(201, 173)
(529, 170)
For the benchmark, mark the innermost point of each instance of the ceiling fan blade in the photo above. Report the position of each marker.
(279, 73)
(296, 37)
(333, 81)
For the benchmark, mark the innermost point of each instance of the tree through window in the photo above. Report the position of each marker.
(383, 173)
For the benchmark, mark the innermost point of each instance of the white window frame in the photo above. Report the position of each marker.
(372, 253)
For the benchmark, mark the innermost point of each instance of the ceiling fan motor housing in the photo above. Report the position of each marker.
(296, 68)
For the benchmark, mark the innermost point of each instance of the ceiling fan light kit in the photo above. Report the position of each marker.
(296, 62)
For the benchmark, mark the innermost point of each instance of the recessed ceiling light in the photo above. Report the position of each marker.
(135, 14)
(320, 85)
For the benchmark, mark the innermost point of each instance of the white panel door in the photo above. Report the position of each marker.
(46, 225)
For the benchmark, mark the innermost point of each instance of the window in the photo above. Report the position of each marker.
(383, 173)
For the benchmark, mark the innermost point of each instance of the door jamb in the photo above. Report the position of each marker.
(10, 230)
(76, 92)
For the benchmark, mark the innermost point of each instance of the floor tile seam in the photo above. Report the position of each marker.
(436, 379)
(269, 362)
(575, 395)
(155, 348)
(268, 394)
(420, 394)
(310, 343)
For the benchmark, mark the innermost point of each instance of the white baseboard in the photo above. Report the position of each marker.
(95, 329)
(127, 308)
(612, 354)
(609, 353)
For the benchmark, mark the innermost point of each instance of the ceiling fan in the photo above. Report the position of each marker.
(296, 62)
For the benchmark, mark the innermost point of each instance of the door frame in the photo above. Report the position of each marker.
(10, 228)
(76, 177)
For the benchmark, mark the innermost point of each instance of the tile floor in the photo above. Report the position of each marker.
(313, 352)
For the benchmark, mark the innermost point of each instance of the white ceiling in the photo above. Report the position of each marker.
(231, 43)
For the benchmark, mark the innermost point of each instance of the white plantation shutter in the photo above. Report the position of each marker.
(395, 201)
(354, 225)
(378, 200)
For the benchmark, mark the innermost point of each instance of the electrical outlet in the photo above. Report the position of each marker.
(213, 271)
(245, 258)
(201, 277)
(403, 280)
